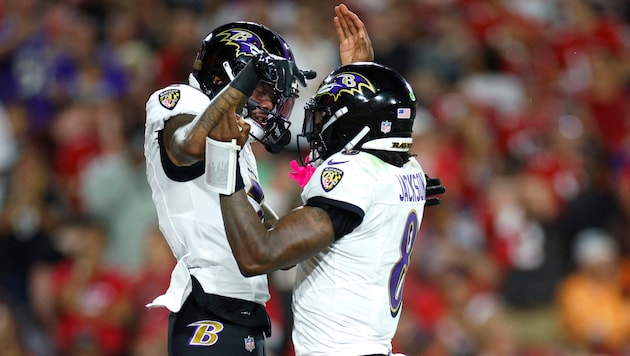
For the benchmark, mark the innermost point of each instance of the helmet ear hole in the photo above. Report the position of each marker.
(216, 80)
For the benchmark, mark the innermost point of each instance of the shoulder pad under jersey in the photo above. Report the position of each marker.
(174, 100)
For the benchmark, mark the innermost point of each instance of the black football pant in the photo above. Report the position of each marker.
(215, 325)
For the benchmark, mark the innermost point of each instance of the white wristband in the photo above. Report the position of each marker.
(221, 165)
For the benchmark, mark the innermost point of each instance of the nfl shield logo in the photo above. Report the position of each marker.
(386, 127)
(250, 343)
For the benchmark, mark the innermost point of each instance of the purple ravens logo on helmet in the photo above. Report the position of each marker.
(246, 42)
(346, 82)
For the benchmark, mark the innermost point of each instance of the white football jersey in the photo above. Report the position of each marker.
(190, 215)
(347, 299)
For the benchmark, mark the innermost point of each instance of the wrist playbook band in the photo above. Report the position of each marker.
(223, 174)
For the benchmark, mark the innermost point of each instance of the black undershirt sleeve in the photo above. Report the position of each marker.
(178, 174)
(345, 217)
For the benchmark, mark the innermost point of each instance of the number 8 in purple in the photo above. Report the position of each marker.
(397, 277)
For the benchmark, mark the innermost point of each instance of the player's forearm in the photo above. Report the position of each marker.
(295, 237)
(228, 100)
(246, 234)
(190, 141)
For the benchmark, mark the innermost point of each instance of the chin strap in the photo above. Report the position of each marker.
(228, 70)
(350, 145)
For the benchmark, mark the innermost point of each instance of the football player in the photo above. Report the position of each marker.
(353, 238)
(249, 68)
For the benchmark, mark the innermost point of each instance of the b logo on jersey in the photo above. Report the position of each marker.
(246, 42)
(169, 98)
(346, 82)
(330, 178)
(206, 333)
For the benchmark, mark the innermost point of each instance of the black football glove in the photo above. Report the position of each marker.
(280, 72)
(434, 187)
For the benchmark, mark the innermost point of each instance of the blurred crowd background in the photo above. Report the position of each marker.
(524, 114)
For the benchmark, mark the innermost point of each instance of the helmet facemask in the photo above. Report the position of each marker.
(319, 131)
(272, 128)
(314, 116)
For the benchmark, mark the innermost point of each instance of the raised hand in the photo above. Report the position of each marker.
(354, 43)
(231, 126)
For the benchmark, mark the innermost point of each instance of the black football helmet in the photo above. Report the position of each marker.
(224, 53)
(364, 106)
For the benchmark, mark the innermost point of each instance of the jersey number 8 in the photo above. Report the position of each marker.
(397, 276)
